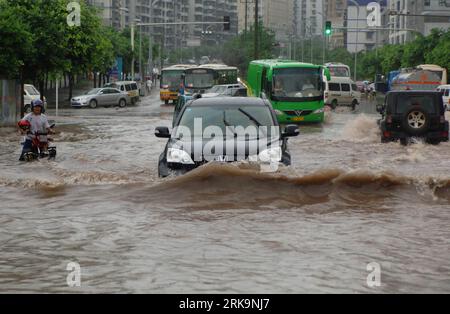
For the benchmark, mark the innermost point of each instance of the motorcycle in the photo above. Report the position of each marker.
(39, 149)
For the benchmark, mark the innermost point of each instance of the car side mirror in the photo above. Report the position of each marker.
(291, 131)
(162, 132)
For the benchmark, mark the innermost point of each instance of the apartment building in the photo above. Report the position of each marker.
(309, 17)
(359, 37)
(335, 11)
(407, 17)
(277, 15)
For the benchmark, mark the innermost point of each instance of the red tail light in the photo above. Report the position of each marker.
(389, 119)
(387, 134)
(326, 95)
(444, 134)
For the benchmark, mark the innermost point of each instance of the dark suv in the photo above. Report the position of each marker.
(408, 114)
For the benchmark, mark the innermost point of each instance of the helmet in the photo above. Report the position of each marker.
(37, 103)
(24, 124)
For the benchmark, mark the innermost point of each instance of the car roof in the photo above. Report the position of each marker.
(228, 101)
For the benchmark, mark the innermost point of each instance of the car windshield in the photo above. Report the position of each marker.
(427, 102)
(229, 119)
(93, 91)
(31, 90)
(297, 83)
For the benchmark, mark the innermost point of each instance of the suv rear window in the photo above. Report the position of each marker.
(128, 87)
(428, 102)
(335, 87)
(134, 86)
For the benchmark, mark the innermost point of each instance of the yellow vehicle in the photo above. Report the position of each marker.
(171, 80)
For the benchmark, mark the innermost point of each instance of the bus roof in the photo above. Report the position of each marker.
(279, 63)
(217, 66)
(179, 67)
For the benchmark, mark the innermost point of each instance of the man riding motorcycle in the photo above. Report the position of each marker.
(33, 125)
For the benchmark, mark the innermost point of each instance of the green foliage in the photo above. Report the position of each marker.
(36, 41)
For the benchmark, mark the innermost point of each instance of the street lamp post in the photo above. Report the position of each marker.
(357, 36)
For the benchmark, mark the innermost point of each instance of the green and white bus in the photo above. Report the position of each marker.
(295, 89)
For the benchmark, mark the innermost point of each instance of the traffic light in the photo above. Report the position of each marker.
(226, 23)
(328, 28)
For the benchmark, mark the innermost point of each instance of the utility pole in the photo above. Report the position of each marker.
(246, 16)
(256, 29)
(132, 50)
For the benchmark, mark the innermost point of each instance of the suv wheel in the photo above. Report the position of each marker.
(416, 121)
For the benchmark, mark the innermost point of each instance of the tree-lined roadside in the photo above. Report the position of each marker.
(38, 46)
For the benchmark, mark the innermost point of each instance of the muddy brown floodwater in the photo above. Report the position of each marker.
(347, 201)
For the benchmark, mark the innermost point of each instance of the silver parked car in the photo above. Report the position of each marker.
(101, 97)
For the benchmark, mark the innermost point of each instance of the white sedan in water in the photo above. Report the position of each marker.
(101, 97)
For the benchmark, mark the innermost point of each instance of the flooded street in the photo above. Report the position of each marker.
(347, 201)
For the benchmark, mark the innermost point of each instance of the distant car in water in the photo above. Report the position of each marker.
(232, 90)
(129, 87)
(408, 114)
(445, 90)
(184, 153)
(101, 97)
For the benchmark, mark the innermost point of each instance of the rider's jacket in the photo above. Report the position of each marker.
(39, 124)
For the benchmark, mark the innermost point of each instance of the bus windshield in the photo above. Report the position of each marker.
(294, 84)
(171, 79)
(199, 79)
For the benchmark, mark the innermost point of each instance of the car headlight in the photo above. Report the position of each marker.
(319, 111)
(270, 155)
(178, 156)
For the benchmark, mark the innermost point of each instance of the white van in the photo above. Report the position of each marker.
(445, 89)
(130, 87)
(30, 93)
(341, 91)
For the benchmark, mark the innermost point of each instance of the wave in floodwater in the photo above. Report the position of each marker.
(216, 186)
(362, 129)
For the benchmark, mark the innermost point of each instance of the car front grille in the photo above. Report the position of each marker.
(298, 113)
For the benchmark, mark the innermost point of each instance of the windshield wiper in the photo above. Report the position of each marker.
(252, 118)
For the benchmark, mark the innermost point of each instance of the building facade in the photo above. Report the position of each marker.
(122, 13)
(408, 17)
(277, 15)
(359, 36)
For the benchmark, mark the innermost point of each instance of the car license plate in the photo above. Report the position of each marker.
(297, 119)
(221, 159)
